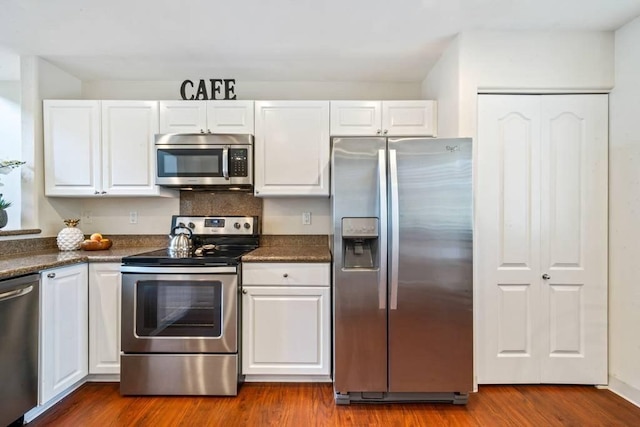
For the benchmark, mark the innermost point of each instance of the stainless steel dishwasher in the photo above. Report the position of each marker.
(19, 314)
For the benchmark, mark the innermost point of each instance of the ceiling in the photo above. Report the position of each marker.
(271, 40)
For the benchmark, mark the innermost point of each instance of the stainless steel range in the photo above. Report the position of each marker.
(180, 316)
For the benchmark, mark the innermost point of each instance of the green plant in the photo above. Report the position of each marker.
(3, 203)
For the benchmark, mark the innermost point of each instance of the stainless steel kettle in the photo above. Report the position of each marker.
(180, 244)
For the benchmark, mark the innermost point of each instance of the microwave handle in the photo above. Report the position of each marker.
(225, 163)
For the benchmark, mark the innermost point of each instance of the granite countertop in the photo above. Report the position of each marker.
(301, 253)
(25, 263)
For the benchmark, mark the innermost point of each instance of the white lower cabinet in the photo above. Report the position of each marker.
(104, 318)
(63, 329)
(286, 322)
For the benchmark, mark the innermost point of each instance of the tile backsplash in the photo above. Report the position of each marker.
(222, 204)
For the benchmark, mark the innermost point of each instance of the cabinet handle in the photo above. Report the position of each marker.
(104, 192)
(285, 275)
(379, 131)
(545, 276)
(201, 130)
(96, 192)
(386, 131)
(244, 291)
(208, 130)
(51, 275)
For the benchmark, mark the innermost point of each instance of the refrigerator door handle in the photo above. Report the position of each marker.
(382, 188)
(395, 228)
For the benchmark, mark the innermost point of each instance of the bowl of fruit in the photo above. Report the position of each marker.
(96, 243)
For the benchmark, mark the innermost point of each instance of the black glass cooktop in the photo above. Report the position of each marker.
(226, 255)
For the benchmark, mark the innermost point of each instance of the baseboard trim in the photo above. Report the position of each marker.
(624, 390)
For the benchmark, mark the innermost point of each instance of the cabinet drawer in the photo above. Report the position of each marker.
(286, 274)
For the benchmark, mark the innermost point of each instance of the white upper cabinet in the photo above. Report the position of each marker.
(225, 116)
(128, 155)
(72, 165)
(100, 148)
(292, 148)
(386, 118)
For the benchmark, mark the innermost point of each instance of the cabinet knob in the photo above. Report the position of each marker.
(103, 192)
(244, 291)
(385, 131)
(379, 131)
(545, 276)
(201, 130)
(208, 130)
(285, 275)
(51, 275)
(96, 192)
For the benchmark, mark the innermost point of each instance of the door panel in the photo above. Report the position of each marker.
(514, 327)
(574, 238)
(360, 321)
(430, 328)
(507, 229)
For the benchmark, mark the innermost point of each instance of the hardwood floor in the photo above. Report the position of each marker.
(306, 405)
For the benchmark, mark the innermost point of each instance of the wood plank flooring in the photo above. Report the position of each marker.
(307, 405)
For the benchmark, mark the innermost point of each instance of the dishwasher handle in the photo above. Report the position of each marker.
(15, 293)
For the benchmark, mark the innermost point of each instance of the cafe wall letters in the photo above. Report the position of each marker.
(208, 89)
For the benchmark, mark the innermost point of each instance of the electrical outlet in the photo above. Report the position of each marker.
(306, 218)
(86, 217)
(133, 217)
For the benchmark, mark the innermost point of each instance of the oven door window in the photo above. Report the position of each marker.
(189, 162)
(179, 309)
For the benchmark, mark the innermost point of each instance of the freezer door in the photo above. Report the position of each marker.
(430, 268)
(359, 270)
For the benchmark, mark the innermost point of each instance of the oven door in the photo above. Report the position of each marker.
(180, 310)
(197, 165)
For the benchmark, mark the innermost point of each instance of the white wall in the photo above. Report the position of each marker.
(256, 90)
(530, 61)
(10, 148)
(443, 84)
(624, 225)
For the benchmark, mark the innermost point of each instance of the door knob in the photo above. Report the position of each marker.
(545, 276)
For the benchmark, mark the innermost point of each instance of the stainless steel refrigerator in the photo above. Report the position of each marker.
(402, 274)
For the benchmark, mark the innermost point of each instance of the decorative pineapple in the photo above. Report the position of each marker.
(69, 238)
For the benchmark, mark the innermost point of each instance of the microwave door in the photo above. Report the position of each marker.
(204, 166)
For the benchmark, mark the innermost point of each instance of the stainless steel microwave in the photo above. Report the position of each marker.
(204, 161)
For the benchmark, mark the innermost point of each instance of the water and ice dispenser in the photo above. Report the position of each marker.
(360, 243)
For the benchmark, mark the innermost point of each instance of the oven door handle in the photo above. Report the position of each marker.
(225, 162)
(179, 270)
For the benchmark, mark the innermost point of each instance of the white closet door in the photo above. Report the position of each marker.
(574, 238)
(508, 235)
(542, 242)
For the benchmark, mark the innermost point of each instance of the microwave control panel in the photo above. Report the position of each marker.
(238, 162)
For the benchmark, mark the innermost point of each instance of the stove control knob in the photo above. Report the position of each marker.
(247, 225)
(192, 225)
(236, 225)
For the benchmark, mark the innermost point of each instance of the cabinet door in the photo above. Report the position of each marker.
(235, 117)
(72, 147)
(353, 118)
(409, 118)
(541, 225)
(292, 148)
(104, 318)
(285, 330)
(128, 158)
(63, 325)
(183, 116)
